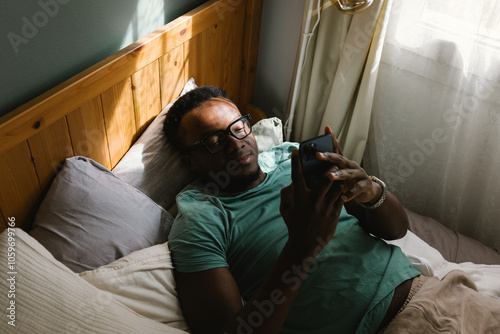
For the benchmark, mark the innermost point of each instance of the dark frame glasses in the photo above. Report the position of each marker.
(217, 141)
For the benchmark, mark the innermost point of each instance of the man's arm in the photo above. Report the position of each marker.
(389, 220)
(211, 301)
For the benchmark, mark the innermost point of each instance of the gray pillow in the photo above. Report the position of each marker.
(90, 218)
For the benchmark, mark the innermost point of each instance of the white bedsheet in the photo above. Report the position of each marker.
(49, 298)
(431, 263)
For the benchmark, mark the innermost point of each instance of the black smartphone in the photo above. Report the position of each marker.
(313, 168)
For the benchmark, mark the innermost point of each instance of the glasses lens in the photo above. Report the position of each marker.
(241, 128)
(216, 142)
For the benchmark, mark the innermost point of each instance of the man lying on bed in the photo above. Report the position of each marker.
(302, 260)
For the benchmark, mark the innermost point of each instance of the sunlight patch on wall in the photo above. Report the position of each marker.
(149, 16)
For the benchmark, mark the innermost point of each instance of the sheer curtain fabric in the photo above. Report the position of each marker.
(435, 131)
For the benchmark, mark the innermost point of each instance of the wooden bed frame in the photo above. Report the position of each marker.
(100, 112)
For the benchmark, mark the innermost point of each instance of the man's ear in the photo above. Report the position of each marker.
(188, 160)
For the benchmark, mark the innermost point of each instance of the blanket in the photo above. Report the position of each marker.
(41, 295)
(430, 262)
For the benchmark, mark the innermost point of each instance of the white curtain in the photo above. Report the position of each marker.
(336, 74)
(435, 132)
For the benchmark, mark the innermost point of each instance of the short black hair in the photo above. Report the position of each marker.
(184, 104)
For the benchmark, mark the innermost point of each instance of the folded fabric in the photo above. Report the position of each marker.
(143, 281)
(429, 262)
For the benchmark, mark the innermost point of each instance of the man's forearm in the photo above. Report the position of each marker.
(266, 311)
(388, 221)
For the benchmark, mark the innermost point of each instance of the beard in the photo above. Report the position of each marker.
(232, 179)
(243, 182)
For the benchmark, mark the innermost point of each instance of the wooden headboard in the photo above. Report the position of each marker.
(100, 112)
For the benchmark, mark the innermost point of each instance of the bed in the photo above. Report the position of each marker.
(84, 214)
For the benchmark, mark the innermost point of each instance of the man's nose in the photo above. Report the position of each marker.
(233, 143)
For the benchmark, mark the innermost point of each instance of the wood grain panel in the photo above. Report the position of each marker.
(212, 50)
(232, 32)
(87, 131)
(173, 76)
(56, 103)
(146, 90)
(119, 117)
(193, 53)
(253, 18)
(255, 112)
(203, 54)
(20, 191)
(49, 149)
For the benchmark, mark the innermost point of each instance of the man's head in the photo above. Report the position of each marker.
(205, 126)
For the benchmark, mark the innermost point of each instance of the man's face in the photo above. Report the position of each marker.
(233, 169)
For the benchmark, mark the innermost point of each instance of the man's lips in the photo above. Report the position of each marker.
(244, 159)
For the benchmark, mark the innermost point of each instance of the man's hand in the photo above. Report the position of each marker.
(389, 220)
(356, 184)
(310, 215)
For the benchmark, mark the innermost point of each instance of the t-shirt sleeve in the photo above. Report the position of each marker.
(198, 237)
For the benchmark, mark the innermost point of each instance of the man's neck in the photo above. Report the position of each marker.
(239, 185)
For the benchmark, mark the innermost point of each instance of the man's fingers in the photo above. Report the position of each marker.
(297, 174)
(286, 199)
(346, 174)
(335, 190)
(336, 159)
(322, 189)
(353, 192)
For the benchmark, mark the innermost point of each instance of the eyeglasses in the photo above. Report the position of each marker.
(217, 141)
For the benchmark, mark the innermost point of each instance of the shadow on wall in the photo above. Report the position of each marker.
(46, 42)
(175, 8)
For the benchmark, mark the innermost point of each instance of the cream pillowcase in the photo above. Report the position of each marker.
(144, 282)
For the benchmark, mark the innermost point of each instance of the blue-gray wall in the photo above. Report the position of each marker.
(279, 40)
(45, 42)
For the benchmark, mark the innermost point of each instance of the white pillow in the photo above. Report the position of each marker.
(90, 218)
(152, 165)
(144, 282)
(268, 133)
(50, 298)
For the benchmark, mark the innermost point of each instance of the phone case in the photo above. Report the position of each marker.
(313, 168)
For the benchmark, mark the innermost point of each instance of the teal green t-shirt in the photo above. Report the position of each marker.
(350, 284)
